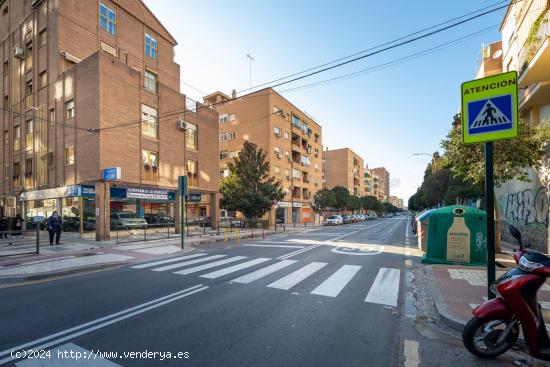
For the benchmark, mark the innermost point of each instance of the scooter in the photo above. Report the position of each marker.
(495, 326)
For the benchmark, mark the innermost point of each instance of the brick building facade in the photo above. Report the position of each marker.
(89, 85)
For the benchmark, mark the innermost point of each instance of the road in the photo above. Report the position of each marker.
(334, 296)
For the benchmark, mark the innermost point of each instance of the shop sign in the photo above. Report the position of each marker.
(143, 193)
(194, 197)
(87, 191)
(112, 174)
(58, 192)
(288, 204)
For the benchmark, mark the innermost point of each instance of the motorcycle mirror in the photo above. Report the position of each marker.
(515, 233)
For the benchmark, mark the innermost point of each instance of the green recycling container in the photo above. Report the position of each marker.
(457, 234)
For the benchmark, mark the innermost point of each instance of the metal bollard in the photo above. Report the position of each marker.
(238, 237)
(225, 235)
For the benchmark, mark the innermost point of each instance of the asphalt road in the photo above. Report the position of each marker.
(333, 296)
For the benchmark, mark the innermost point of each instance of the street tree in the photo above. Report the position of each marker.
(341, 194)
(370, 202)
(511, 157)
(249, 188)
(353, 203)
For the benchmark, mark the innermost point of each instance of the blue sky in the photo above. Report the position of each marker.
(384, 116)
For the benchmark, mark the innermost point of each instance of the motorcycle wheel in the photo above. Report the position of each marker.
(480, 337)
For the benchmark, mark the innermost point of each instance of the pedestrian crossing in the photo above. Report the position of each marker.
(384, 290)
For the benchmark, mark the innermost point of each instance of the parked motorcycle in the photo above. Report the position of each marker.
(496, 324)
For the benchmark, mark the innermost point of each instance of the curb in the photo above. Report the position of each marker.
(22, 279)
(448, 319)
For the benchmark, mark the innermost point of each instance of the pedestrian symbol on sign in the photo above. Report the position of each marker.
(490, 115)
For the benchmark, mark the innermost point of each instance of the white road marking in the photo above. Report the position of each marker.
(334, 284)
(160, 262)
(282, 246)
(159, 250)
(410, 349)
(296, 277)
(57, 358)
(298, 252)
(211, 265)
(385, 288)
(185, 263)
(68, 334)
(234, 268)
(255, 275)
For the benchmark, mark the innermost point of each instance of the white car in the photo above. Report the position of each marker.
(334, 220)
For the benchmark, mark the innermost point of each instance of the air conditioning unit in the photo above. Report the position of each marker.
(18, 52)
(180, 124)
(278, 155)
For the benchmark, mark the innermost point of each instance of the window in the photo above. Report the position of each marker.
(150, 46)
(16, 174)
(223, 119)
(150, 162)
(28, 135)
(149, 123)
(43, 37)
(316, 152)
(28, 57)
(69, 109)
(286, 135)
(277, 131)
(6, 137)
(232, 117)
(296, 174)
(276, 170)
(277, 152)
(52, 117)
(69, 155)
(107, 18)
(191, 136)
(150, 81)
(224, 173)
(6, 171)
(5, 10)
(5, 67)
(6, 103)
(28, 172)
(43, 79)
(16, 138)
(193, 173)
(227, 136)
(224, 154)
(50, 159)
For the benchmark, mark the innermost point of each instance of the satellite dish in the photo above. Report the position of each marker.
(497, 54)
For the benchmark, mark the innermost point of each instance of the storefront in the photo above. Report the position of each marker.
(294, 212)
(75, 204)
(153, 204)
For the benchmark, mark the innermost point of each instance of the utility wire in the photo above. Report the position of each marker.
(381, 45)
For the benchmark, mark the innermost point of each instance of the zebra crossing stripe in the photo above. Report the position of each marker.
(234, 268)
(211, 265)
(296, 277)
(334, 284)
(171, 260)
(185, 263)
(385, 288)
(258, 274)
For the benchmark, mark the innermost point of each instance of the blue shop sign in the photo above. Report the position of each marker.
(194, 197)
(112, 173)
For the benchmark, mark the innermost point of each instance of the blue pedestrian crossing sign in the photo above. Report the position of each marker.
(490, 108)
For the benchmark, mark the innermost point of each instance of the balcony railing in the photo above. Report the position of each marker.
(540, 30)
(150, 173)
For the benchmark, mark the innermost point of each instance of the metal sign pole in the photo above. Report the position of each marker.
(182, 190)
(490, 210)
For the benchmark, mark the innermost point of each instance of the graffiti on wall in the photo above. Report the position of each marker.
(528, 210)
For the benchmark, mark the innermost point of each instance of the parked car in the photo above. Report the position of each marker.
(126, 220)
(346, 219)
(159, 219)
(334, 220)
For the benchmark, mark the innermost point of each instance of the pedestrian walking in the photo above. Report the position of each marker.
(17, 225)
(3, 227)
(54, 227)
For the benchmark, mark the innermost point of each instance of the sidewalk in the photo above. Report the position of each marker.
(82, 255)
(457, 290)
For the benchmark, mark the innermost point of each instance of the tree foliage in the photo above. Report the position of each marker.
(249, 188)
(370, 203)
(353, 203)
(325, 199)
(341, 194)
(511, 157)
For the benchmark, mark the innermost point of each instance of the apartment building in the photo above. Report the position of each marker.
(292, 139)
(89, 85)
(395, 201)
(383, 182)
(343, 167)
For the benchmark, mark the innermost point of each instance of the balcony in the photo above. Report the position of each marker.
(535, 95)
(150, 173)
(534, 56)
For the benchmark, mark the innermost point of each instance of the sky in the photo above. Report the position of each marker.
(384, 115)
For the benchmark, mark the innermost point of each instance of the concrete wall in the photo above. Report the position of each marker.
(526, 206)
